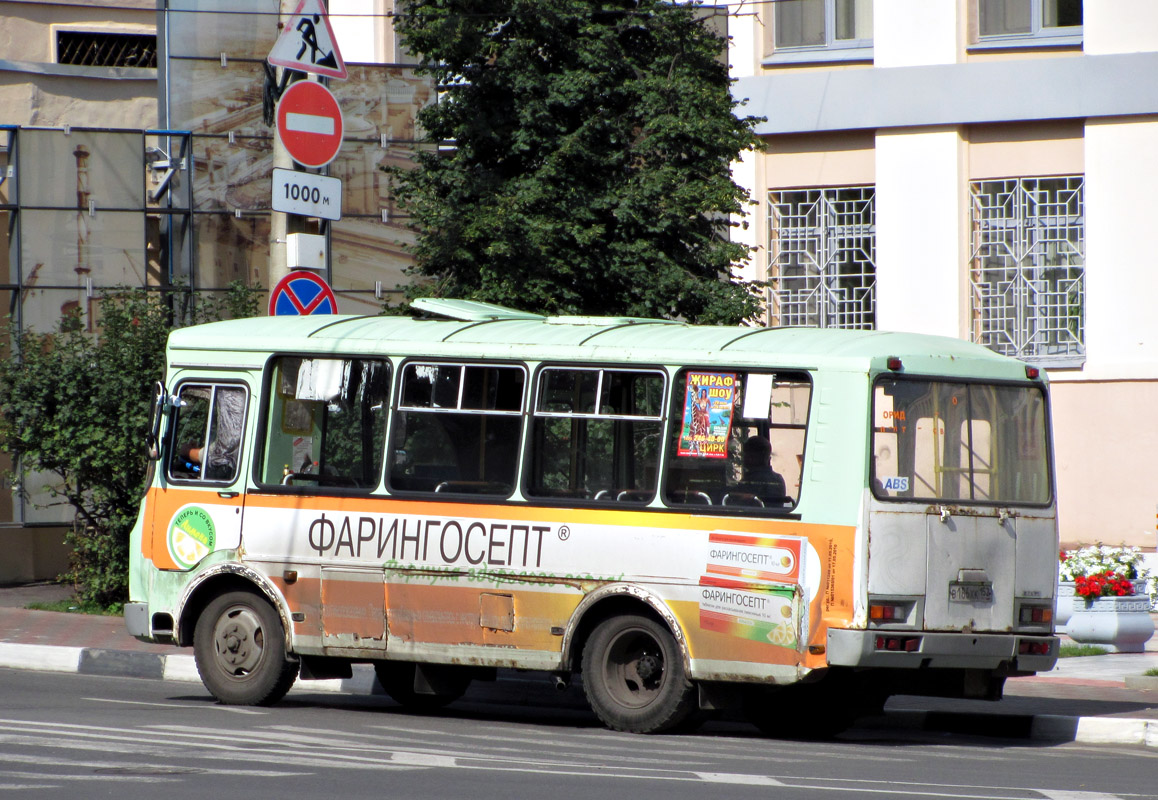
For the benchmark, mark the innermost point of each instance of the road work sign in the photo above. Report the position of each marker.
(307, 43)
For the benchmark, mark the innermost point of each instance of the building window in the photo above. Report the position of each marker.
(1022, 19)
(823, 249)
(822, 24)
(1028, 265)
(104, 49)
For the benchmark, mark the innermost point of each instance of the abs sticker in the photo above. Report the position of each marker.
(895, 484)
(192, 536)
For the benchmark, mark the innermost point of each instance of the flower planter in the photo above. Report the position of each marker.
(1066, 593)
(1120, 624)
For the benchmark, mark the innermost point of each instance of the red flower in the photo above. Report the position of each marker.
(1103, 584)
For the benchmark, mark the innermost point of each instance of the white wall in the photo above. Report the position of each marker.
(917, 178)
(1119, 26)
(1121, 279)
(743, 33)
(919, 231)
(911, 32)
(359, 28)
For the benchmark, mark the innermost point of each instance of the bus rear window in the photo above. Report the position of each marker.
(960, 442)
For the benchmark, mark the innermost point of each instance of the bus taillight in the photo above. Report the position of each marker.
(905, 644)
(1036, 615)
(888, 612)
(1028, 648)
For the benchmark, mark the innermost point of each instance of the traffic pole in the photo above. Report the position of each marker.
(281, 224)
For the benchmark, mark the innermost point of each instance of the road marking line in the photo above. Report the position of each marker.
(738, 779)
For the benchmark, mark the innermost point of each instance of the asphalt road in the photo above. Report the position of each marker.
(67, 735)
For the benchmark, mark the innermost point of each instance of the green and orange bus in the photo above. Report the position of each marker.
(794, 522)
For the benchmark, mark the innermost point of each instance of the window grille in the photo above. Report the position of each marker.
(823, 247)
(1027, 266)
(104, 49)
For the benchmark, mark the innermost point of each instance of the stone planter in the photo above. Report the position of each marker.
(1119, 624)
(1066, 592)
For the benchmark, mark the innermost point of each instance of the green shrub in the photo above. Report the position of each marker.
(75, 404)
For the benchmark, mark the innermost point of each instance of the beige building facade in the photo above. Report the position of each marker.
(136, 148)
(62, 64)
(980, 169)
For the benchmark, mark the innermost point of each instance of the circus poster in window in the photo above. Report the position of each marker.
(707, 418)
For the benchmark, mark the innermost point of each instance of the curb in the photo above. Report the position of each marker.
(1041, 727)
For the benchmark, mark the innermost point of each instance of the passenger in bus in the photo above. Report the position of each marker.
(757, 476)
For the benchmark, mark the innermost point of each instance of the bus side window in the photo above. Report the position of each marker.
(737, 439)
(326, 423)
(207, 427)
(595, 435)
(457, 429)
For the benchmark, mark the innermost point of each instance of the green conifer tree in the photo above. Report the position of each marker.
(586, 157)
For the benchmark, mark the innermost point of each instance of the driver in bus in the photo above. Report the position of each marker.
(219, 458)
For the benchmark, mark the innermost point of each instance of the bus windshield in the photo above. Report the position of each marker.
(963, 442)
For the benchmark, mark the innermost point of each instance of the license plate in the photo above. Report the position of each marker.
(971, 592)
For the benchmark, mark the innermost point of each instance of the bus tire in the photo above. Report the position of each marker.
(239, 647)
(397, 679)
(634, 676)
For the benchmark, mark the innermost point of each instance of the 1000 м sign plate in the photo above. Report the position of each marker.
(307, 194)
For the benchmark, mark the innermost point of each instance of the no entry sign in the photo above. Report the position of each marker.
(309, 123)
(301, 293)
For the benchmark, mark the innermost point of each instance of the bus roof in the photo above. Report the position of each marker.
(531, 337)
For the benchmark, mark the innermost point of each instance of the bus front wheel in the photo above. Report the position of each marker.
(239, 647)
(634, 676)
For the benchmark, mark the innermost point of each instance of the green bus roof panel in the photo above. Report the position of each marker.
(528, 337)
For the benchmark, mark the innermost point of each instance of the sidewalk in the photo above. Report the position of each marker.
(1092, 699)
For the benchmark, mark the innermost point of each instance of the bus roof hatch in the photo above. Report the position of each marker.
(468, 310)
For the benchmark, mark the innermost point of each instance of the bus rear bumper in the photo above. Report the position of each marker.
(901, 649)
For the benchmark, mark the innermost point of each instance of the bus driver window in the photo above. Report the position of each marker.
(208, 423)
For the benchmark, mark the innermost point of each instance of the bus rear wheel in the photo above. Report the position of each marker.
(239, 647)
(634, 676)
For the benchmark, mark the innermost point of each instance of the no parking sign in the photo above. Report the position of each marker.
(301, 293)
